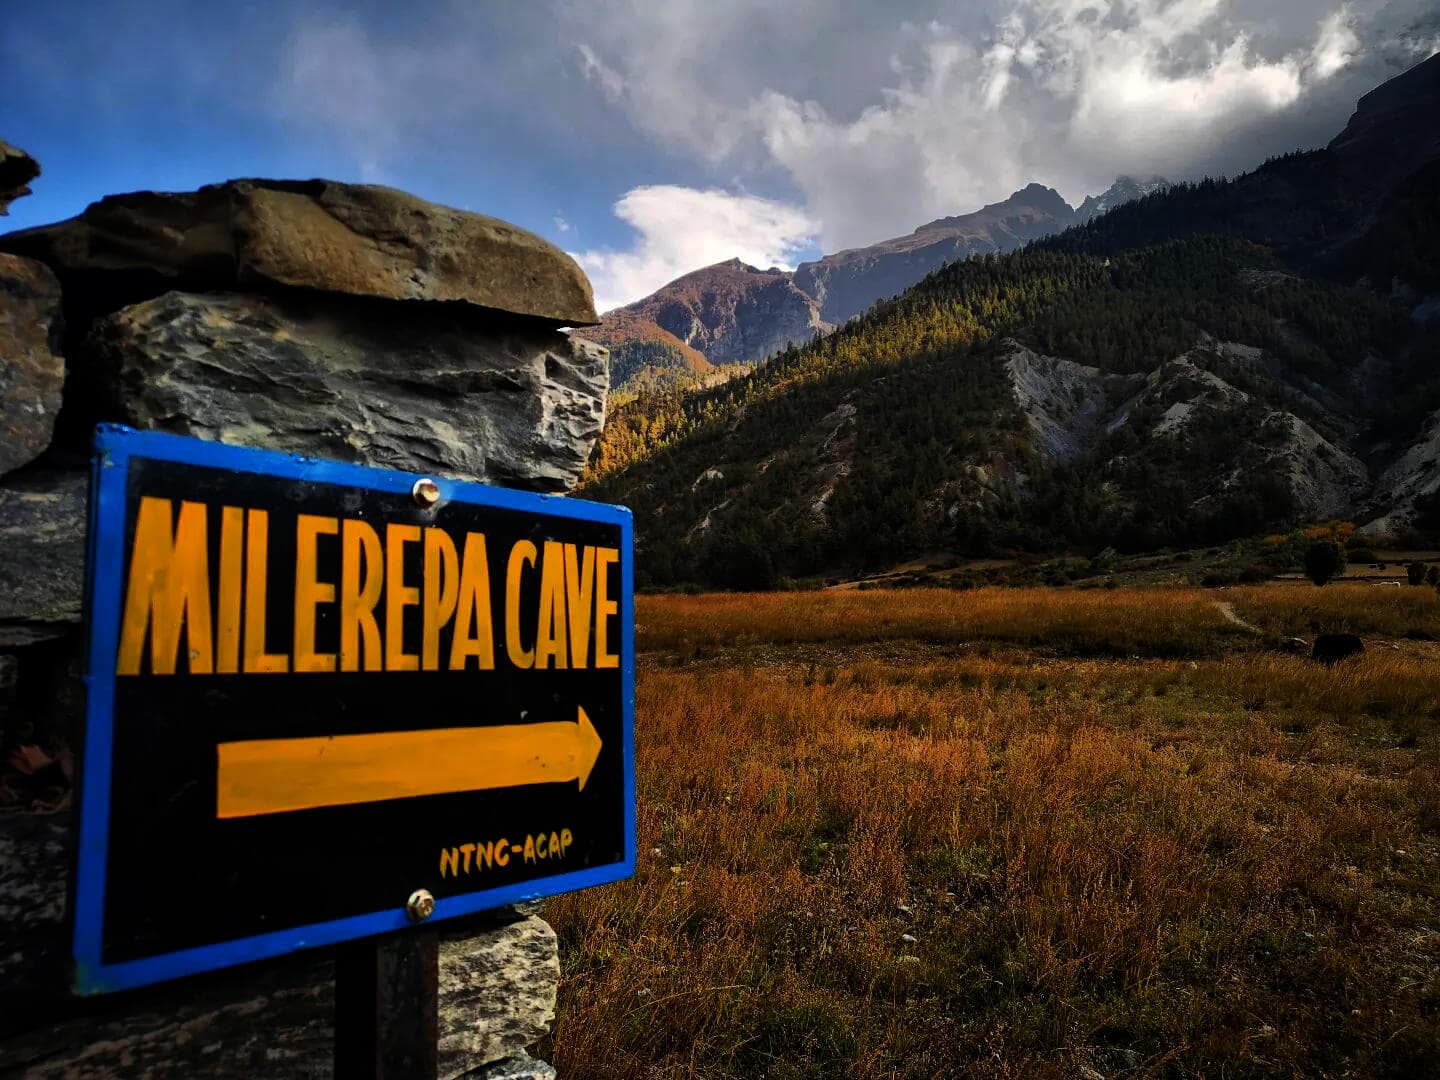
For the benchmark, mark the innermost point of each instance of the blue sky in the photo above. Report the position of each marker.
(174, 95)
(650, 139)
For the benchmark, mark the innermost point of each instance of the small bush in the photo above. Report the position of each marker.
(1324, 561)
(1257, 573)
(1432, 575)
(1415, 572)
(1363, 555)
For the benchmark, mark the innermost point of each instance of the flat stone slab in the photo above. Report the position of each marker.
(357, 239)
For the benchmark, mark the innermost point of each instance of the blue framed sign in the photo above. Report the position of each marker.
(315, 688)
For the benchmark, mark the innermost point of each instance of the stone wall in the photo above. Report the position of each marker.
(342, 321)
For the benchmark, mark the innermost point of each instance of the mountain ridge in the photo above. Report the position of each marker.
(1206, 363)
(730, 312)
(720, 314)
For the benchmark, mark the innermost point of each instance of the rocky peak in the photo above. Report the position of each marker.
(1029, 199)
(1040, 197)
(1124, 189)
(743, 267)
(729, 312)
(849, 282)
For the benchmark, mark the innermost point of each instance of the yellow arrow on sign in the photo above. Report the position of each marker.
(272, 776)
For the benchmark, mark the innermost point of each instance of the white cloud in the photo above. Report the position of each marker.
(971, 106)
(561, 224)
(682, 229)
(874, 117)
(1336, 45)
(333, 76)
(606, 78)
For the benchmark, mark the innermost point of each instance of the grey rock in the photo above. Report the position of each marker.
(274, 1019)
(31, 370)
(520, 1067)
(414, 387)
(17, 169)
(356, 239)
(42, 535)
(34, 859)
(498, 991)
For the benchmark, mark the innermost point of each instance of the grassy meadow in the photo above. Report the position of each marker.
(1021, 833)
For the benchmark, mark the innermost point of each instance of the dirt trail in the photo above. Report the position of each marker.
(1228, 610)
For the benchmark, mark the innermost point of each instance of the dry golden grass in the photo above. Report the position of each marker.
(1109, 856)
(1123, 622)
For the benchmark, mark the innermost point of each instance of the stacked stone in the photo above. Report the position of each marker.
(341, 321)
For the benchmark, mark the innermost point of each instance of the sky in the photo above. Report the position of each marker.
(651, 138)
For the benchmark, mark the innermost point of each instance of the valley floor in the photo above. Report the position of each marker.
(1021, 833)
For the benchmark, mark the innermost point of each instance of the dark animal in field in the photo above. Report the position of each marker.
(1332, 648)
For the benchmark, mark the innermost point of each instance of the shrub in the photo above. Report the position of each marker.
(1416, 573)
(1257, 573)
(1432, 575)
(1324, 560)
(1363, 555)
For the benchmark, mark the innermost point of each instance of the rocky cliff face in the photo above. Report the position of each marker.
(847, 283)
(1181, 405)
(1395, 128)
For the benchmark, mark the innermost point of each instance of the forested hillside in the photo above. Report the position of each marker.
(1208, 362)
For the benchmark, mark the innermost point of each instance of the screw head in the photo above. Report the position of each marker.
(426, 492)
(420, 906)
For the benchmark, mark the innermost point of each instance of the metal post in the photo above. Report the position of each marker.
(387, 1015)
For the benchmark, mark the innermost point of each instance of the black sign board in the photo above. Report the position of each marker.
(317, 688)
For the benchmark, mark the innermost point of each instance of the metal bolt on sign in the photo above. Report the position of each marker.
(426, 492)
(420, 906)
